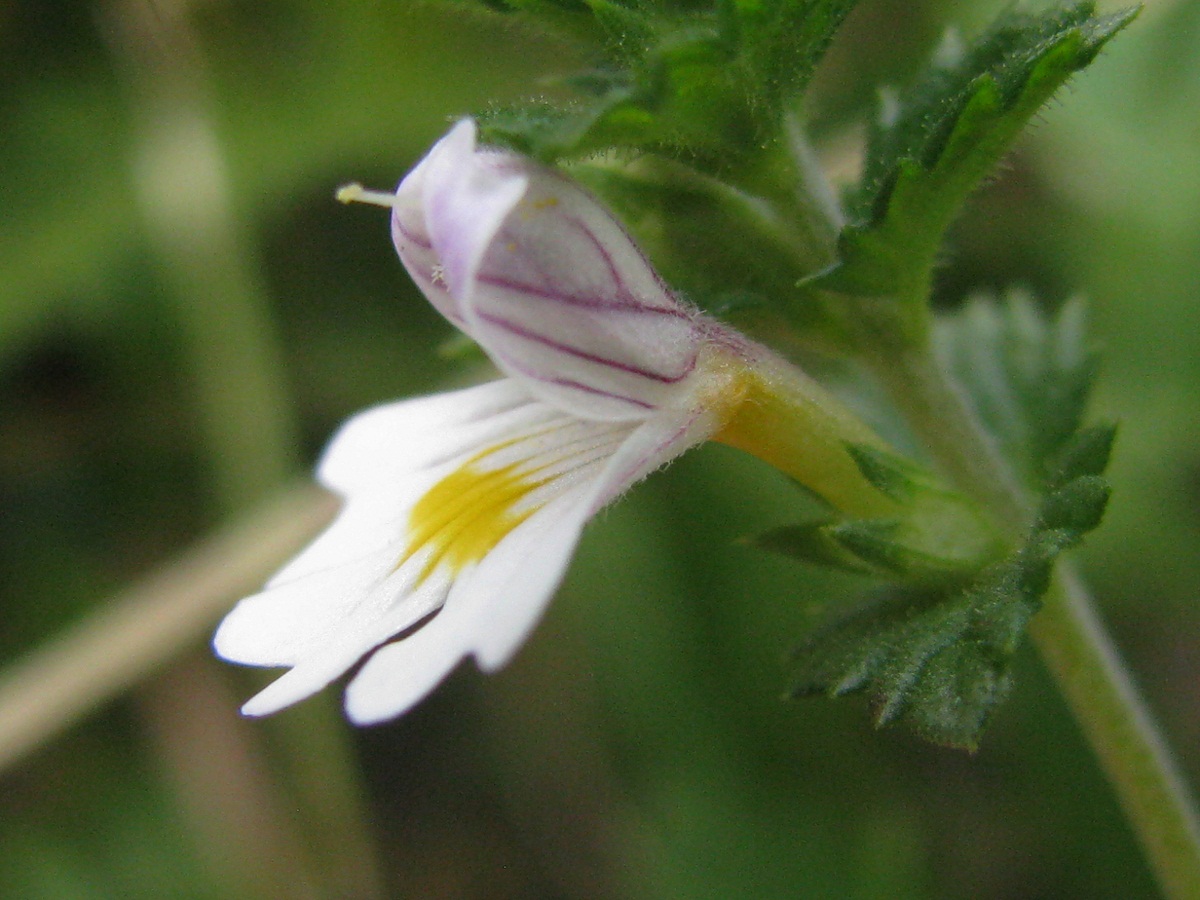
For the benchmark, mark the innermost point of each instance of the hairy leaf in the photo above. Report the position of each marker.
(706, 83)
(937, 656)
(1026, 374)
(935, 143)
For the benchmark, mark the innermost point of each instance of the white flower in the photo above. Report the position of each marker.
(462, 509)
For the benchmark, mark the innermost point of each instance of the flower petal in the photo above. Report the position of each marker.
(462, 510)
(345, 644)
(543, 276)
(447, 184)
(399, 675)
(278, 626)
(381, 445)
(383, 460)
(467, 197)
(512, 586)
(492, 609)
(502, 477)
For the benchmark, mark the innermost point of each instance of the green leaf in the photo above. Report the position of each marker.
(706, 83)
(938, 664)
(937, 657)
(1076, 507)
(893, 475)
(815, 543)
(780, 42)
(1086, 453)
(936, 143)
(1026, 374)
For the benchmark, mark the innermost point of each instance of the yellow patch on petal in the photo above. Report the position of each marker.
(466, 514)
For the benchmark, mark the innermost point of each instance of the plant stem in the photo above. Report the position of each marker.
(1067, 631)
(941, 419)
(1097, 686)
(893, 335)
(139, 631)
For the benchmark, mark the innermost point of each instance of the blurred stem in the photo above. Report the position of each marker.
(134, 634)
(246, 416)
(1132, 752)
(792, 196)
(235, 364)
(1067, 631)
(227, 788)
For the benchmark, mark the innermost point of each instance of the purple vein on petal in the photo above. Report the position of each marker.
(588, 389)
(625, 303)
(629, 305)
(603, 251)
(631, 470)
(625, 299)
(408, 235)
(528, 334)
(613, 271)
(576, 385)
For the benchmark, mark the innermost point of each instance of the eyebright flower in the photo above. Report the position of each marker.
(462, 509)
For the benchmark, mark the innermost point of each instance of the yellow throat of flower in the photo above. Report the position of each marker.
(465, 515)
(786, 419)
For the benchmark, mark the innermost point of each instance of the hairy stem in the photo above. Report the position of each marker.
(893, 337)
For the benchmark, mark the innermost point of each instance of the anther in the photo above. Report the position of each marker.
(356, 193)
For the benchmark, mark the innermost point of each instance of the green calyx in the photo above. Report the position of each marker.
(929, 534)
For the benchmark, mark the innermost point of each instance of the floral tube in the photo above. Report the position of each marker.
(462, 509)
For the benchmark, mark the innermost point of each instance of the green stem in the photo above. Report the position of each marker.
(941, 419)
(1067, 631)
(1132, 752)
(892, 334)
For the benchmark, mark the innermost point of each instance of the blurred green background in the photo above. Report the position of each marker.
(185, 315)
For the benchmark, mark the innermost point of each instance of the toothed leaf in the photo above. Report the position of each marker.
(704, 83)
(1086, 453)
(1026, 374)
(937, 657)
(813, 543)
(892, 475)
(939, 140)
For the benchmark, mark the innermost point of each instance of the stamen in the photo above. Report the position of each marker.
(356, 193)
